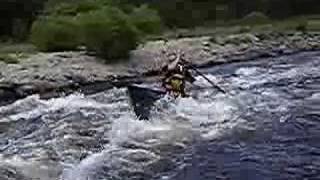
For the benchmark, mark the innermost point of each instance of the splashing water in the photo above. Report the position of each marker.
(270, 104)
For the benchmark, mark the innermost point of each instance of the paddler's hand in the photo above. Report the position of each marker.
(185, 62)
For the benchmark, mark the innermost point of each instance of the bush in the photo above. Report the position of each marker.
(55, 33)
(108, 32)
(302, 24)
(146, 20)
(104, 27)
(72, 8)
(301, 27)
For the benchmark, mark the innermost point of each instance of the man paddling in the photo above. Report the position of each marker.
(176, 74)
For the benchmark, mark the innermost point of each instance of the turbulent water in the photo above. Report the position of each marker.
(266, 127)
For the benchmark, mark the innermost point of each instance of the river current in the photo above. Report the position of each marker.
(266, 127)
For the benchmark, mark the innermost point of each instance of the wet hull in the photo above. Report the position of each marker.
(142, 99)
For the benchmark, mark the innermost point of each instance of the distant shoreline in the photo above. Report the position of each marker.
(54, 74)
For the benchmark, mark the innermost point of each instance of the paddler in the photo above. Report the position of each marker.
(176, 74)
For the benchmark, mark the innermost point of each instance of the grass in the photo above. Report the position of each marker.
(11, 53)
(314, 25)
(17, 48)
(9, 59)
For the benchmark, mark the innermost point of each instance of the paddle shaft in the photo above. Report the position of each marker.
(202, 75)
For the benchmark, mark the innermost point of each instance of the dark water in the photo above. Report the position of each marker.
(267, 127)
(282, 141)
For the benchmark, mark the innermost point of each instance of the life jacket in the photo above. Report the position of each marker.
(175, 78)
(176, 84)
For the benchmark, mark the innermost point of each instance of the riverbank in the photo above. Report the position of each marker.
(55, 74)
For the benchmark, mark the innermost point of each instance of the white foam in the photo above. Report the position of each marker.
(200, 81)
(69, 103)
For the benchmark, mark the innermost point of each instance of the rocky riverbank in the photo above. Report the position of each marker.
(53, 74)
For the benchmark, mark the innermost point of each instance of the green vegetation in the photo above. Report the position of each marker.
(71, 8)
(104, 29)
(16, 17)
(55, 33)
(9, 59)
(18, 48)
(146, 20)
(12, 53)
(108, 32)
(55, 25)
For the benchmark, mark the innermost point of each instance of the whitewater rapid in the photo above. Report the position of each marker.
(98, 137)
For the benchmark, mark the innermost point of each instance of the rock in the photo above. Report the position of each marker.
(25, 90)
(243, 47)
(77, 67)
(68, 76)
(64, 55)
(206, 44)
(297, 37)
(46, 72)
(49, 78)
(206, 49)
(36, 76)
(218, 40)
(263, 36)
(35, 65)
(21, 68)
(314, 45)
(241, 38)
(54, 62)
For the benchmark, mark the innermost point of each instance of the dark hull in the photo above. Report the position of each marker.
(143, 98)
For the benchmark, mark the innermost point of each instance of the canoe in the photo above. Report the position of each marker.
(142, 99)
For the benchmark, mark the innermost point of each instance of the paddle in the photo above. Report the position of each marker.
(180, 57)
(202, 75)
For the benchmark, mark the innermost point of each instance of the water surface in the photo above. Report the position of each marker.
(266, 127)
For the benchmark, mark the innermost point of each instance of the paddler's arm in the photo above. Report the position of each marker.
(189, 77)
(188, 74)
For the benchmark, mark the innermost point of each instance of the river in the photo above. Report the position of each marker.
(266, 127)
